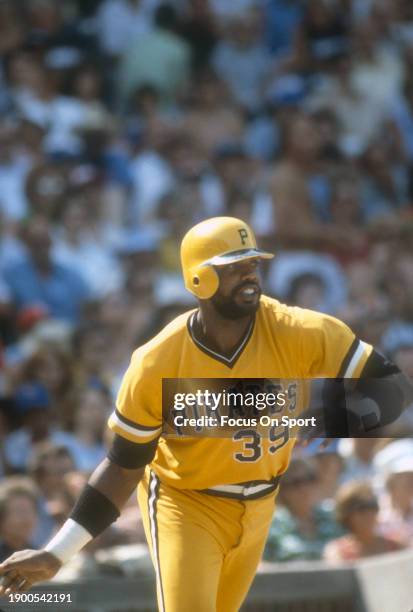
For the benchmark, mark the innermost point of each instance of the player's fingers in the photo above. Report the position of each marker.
(19, 586)
(14, 584)
(25, 586)
(11, 563)
(7, 580)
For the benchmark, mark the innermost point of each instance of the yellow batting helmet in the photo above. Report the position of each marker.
(215, 242)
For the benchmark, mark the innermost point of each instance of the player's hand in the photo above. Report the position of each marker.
(26, 567)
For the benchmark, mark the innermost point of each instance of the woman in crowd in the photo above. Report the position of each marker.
(18, 515)
(357, 511)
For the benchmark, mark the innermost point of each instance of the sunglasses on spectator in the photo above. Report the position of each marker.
(363, 505)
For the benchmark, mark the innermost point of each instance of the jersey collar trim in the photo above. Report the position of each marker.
(229, 361)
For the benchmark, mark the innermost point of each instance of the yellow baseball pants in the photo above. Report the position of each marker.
(205, 549)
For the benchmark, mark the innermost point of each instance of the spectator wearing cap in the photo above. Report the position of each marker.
(39, 280)
(301, 526)
(357, 511)
(18, 515)
(33, 408)
(396, 515)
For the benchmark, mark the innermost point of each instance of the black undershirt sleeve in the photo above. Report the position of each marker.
(130, 455)
(378, 366)
(361, 407)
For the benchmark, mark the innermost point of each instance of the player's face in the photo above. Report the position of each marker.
(239, 289)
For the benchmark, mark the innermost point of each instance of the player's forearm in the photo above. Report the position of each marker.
(115, 482)
(98, 506)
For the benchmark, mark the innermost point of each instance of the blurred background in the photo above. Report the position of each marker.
(123, 123)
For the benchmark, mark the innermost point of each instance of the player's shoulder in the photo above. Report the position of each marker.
(294, 317)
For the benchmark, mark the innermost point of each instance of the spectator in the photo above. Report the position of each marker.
(358, 455)
(385, 184)
(359, 120)
(119, 24)
(242, 61)
(402, 113)
(282, 19)
(46, 189)
(48, 464)
(18, 515)
(199, 29)
(40, 281)
(301, 190)
(50, 366)
(330, 465)
(308, 280)
(90, 346)
(13, 171)
(77, 247)
(91, 407)
(213, 118)
(33, 408)
(11, 28)
(160, 58)
(301, 526)
(322, 36)
(396, 515)
(357, 511)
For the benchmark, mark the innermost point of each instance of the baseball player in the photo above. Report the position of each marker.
(206, 501)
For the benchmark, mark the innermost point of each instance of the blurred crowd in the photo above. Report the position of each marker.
(123, 123)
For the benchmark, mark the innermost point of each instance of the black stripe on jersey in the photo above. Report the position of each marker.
(228, 361)
(346, 361)
(152, 509)
(134, 424)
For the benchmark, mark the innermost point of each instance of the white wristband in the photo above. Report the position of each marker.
(68, 541)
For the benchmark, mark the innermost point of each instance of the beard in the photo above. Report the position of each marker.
(228, 308)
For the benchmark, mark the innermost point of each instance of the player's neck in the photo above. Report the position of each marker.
(220, 332)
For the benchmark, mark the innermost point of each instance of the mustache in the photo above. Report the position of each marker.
(246, 284)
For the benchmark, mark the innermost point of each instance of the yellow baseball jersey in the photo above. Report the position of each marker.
(285, 344)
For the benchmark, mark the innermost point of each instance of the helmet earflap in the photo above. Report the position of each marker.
(204, 282)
